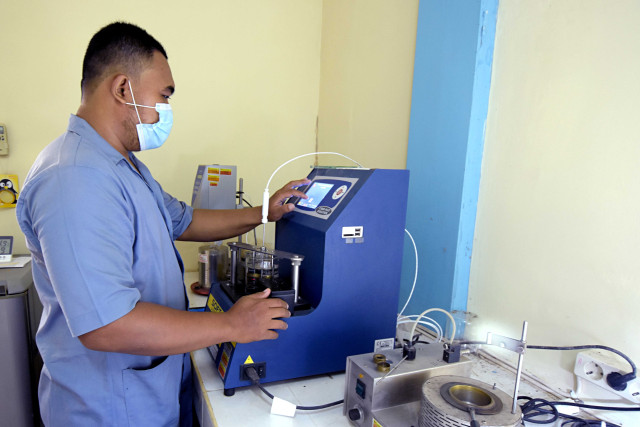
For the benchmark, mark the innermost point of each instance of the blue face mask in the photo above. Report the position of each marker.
(153, 135)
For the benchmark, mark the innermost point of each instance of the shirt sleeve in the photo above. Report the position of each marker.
(83, 224)
(181, 213)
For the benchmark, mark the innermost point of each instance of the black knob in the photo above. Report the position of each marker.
(354, 414)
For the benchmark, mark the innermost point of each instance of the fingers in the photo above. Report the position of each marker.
(271, 334)
(271, 302)
(280, 313)
(277, 206)
(298, 183)
(256, 317)
(261, 295)
(283, 194)
(290, 189)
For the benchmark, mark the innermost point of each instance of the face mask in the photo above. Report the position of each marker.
(153, 135)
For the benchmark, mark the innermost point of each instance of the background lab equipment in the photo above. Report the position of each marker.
(20, 364)
(337, 259)
(389, 389)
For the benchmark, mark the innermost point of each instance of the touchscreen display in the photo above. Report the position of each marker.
(316, 193)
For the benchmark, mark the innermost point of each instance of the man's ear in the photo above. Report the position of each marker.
(120, 88)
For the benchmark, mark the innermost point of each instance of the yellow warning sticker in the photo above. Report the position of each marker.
(213, 305)
(249, 360)
(376, 423)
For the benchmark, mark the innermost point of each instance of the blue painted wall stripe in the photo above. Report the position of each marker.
(452, 75)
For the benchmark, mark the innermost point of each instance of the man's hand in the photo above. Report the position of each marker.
(254, 317)
(277, 206)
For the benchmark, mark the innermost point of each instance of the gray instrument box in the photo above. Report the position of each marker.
(371, 398)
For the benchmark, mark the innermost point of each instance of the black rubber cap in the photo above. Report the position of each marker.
(617, 381)
(354, 414)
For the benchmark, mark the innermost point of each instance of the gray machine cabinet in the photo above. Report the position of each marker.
(20, 311)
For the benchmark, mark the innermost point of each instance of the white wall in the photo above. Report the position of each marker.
(247, 85)
(557, 228)
(367, 56)
(558, 231)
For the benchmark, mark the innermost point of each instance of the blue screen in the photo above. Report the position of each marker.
(316, 193)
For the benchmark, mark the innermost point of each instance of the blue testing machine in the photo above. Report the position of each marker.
(337, 261)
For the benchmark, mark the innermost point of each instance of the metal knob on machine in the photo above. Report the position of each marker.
(355, 414)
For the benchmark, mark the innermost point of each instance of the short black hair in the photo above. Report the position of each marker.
(119, 47)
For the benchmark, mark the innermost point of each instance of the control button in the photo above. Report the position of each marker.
(354, 414)
(361, 389)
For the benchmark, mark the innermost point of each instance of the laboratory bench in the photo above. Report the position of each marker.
(250, 406)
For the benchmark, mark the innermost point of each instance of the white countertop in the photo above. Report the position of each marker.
(250, 407)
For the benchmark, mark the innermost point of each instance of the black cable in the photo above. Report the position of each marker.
(615, 380)
(584, 347)
(255, 379)
(534, 408)
(245, 201)
(326, 405)
(586, 423)
(598, 407)
(415, 342)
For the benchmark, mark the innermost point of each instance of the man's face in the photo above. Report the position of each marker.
(155, 85)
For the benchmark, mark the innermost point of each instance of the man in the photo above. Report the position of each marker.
(115, 335)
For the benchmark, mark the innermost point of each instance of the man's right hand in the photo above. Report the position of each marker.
(155, 330)
(256, 317)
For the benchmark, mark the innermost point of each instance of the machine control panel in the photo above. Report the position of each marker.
(324, 195)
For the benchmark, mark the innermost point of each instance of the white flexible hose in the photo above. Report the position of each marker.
(415, 276)
(453, 322)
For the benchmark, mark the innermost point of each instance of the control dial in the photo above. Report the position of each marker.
(355, 414)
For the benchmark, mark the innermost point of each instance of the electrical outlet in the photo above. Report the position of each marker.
(595, 365)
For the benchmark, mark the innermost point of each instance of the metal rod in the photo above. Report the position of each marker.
(234, 262)
(519, 371)
(295, 276)
(392, 369)
(472, 415)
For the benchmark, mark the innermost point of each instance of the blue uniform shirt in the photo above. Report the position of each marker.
(102, 238)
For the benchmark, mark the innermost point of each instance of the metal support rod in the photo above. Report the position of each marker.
(519, 371)
(234, 263)
(295, 276)
(392, 369)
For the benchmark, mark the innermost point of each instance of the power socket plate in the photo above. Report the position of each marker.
(595, 365)
(260, 367)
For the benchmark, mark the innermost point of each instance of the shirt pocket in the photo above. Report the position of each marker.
(152, 396)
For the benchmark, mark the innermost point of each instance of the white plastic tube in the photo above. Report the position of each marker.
(415, 276)
(453, 322)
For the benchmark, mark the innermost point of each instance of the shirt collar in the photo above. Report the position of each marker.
(81, 127)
